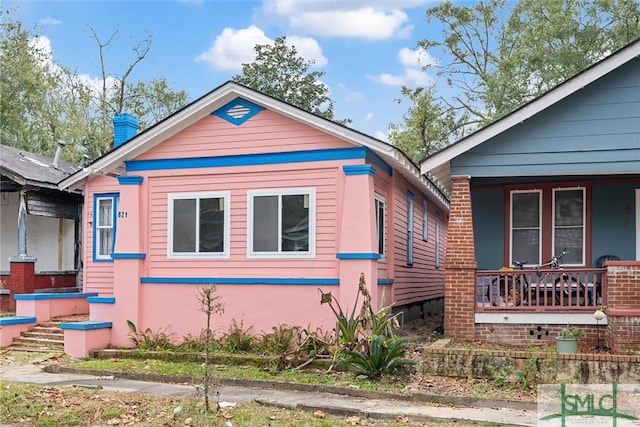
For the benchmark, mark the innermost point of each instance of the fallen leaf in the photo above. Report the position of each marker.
(319, 414)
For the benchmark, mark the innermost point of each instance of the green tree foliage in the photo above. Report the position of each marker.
(25, 84)
(42, 101)
(497, 55)
(280, 72)
(426, 126)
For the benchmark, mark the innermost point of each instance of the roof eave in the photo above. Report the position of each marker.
(527, 111)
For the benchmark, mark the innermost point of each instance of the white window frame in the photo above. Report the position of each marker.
(540, 243)
(437, 243)
(224, 195)
(311, 192)
(96, 238)
(425, 220)
(584, 219)
(410, 227)
(377, 200)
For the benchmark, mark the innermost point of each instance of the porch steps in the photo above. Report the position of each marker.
(44, 337)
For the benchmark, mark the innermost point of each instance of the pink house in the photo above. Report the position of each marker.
(264, 200)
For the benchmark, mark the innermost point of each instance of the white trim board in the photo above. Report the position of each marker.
(542, 318)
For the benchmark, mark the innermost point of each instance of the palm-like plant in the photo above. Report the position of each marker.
(384, 355)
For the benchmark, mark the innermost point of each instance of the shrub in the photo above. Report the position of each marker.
(150, 340)
(383, 356)
(237, 339)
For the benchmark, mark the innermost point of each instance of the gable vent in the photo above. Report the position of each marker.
(238, 111)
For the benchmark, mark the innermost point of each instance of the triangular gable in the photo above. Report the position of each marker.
(438, 164)
(234, 102)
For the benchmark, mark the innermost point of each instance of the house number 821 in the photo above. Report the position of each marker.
(122, 214)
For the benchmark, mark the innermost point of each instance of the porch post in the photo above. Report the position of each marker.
(21, 266)
(460, 264)
(622, 335)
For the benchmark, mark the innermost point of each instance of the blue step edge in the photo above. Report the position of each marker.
(85, 325)
(54, 295)
(17, 320)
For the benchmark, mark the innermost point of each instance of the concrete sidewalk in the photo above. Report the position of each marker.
(342, 404)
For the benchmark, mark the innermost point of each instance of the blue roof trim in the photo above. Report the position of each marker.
(359, 170)
(102, 300)
(17, 320)
(130, 179)
(55, 295)
(374, 158)
(385, 281)
(247, 159)
(86, 325)
(243, 280)
(128, 255)
(237, 111)
(358, 255)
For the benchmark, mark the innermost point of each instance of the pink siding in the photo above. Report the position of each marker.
(422, 280)
(239, 180)
(98, 276)
(264, 133)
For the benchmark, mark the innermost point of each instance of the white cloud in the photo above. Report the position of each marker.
(367, 23)
(232, 48)
(415, 57)
(346, 18)
(368, 117)
(413, 74)
(49, 21)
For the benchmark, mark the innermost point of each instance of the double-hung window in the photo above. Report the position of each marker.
(410, 212)
(526, 226)
(199, 224)
(104, 217)
(568, 224)
(425, 219)
(545, 221)
(281, 222)
(380, 222)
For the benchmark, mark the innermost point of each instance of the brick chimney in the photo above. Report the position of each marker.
(125, 127)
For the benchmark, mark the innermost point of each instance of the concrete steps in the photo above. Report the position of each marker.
(44, 337)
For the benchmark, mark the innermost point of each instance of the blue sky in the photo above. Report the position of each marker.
(366, 48)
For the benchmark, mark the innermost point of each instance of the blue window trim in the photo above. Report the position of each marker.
(437, 258)
(358, 255)
(260, 159)
(242, 280)
(130, 179)
(97, 196)
(410, 227)
(378, 201)
(223, 112)
(425, 219)
(359, 170)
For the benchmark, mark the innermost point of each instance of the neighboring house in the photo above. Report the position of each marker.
(264, 200)
(562, 171)
(39, 225)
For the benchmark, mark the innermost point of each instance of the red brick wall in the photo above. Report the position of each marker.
(623, 302)
(527, 334)
(460, 264)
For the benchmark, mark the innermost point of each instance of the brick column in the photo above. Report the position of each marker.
(622, 335)
(22, 272)
(460, 264)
